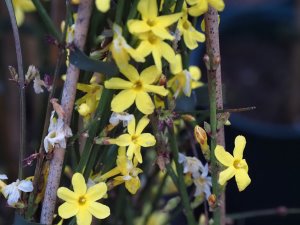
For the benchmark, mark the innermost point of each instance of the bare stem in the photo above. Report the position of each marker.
(21, 81)
(67, 102)
(212, 60)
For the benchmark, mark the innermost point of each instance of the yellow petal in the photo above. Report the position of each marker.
(79, 184)
(156, 53)
(131, 126)
(176, 66)
(84, 217)
(138, 155)
(130, 72)
(146, 140)
(239, 146)
(226, 175)
(162, 33)
(198, 9)
(138, 26)
(167, 52)
(141, 125)
(67, 195)
(144, 48)
(26, 5)
(150, 75)
(133, 185)
(160, 90)
(242, 179)
(190, 42)
(117, 83)
(103, 5)
(148, 9)
(99, 210)
(68, 210)
(122, 140)
(217, 4)
(131, 150)
(123, 100)
(195, 72)
(223, 157)
(19, 16)
(167, 20)
(96, 192)
(144, 103)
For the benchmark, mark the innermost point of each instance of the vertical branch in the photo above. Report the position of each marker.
(21, 82)
(67, 102)
(212, 60)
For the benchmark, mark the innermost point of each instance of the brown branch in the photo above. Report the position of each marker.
(67, 102)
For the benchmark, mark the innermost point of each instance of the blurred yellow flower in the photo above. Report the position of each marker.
(136, 89)
(237, 166)
(82, 202)
(135, 139)
(22, 6)
(103, 5)
(199, 7)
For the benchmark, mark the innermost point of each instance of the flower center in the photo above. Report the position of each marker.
(238, 164)
(53, 135)
(134, 138)
(82, 200)
(152, 39)
(186, 25)
(150, 22)
(138, 86)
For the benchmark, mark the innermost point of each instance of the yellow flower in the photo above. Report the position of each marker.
(82, 202)
(103, 5)
(184, 80)
(20, 7)
(199, 7)
(237, 166)
(121, 50)
(136, 89)
(128, 170)
(87, 104)
(151, 21)
(190, 35)
(135, 139)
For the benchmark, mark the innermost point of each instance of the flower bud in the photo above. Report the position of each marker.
(84, 109)
(212, 200)
(201, 138)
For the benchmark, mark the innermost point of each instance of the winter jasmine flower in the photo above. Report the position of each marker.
(82, 202)
(115, 118)
(199, 7)
(202, 182)
(236, 165)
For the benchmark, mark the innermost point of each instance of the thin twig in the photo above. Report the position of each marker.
(203, 112)
(21, 82)
(67, 102)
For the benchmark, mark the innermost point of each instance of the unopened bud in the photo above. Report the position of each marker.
(212, 201)
(163, 80)
(201, 138)
(188, 118)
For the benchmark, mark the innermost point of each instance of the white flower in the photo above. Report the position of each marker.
(38, 84)
(3, 177)
(202, 182)
(13, 191)
(190, 164)
(58, 132)
(117, 117)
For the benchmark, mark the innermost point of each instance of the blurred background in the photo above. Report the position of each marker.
(260, 49)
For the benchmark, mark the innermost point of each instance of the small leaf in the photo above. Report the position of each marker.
(83, 62)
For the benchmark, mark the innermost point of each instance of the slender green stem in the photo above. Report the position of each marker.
(21, 81)
(119, 11)
(182, 188)
(47, 20)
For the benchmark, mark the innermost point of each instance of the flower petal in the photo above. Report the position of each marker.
(150, 75)
(122, 140)
(226, 175)
(123, 100)
(131, 126)
(67, 195)
(148, 9)
(96, 192)
(68, 210)
(162, 33)
(130, 72)
(117, 83)
(144, 103)
(133, 185)
(239, 146)
(217, 4)
(79, 184)
(103, 5)
(242, 179)
(167, 52)
(160, 90)
(156, 53)
(3, 177)
(146, 140)
(167, 20)
(25, 186)
(144, 121)
(176, 66)
(223, 157)
(99, 210)
(84, 217)
(138, 26)
(131, 150)
(144, 48)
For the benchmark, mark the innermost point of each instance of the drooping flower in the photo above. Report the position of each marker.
(13, 191)
(236, 165)
(127, 170)
(20, 7)
(103, 5)
(190, 35)
(82, 202)
(115, 118)
(202, 182)
(184, 80)
(199, 7)
(135, 139)
(136, 89)
(58, 131)
(150, 21)
(121, 51)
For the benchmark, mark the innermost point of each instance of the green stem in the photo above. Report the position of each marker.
(182, 188)
(47, 20)
(119, 11)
